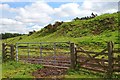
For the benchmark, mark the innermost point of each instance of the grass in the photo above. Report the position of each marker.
(82, 74)
(12, 69)
(92, 34)
(99, 41)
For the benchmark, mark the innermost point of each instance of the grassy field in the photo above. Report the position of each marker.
(13, 69)
(92, 34)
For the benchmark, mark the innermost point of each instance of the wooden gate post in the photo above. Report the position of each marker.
(73, 56)
(3, 51)
(17, 52)
(110, 59)
(12, 51)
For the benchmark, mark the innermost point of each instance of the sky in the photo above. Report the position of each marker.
(23, 16)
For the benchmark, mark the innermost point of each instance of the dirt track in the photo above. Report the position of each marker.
(49, 72)
(58, 65)
(52, 66)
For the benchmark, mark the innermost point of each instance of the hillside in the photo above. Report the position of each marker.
(96, 31)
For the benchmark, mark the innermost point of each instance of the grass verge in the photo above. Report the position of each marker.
(12, 69)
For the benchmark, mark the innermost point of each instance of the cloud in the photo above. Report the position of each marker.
(26, 18)
(10, 25)
(38, 14)
(6, 11)
(5, 21)
(67, 10)
(99, 6)
(36, 27)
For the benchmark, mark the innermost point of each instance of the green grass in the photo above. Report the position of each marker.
(98, 40)
(12, 69)
(93, 32)
(82, 73)
(86, 74)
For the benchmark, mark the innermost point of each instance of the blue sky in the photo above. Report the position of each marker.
(23, 4)
(22, 17)
(17, 4)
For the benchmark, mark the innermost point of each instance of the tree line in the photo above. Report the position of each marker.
(9, 35)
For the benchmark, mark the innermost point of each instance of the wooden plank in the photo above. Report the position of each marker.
(117, 58)
(116, 51)
(49, 60)
(90, 52)
(116, 70)
(79, 57)
(92, 69)
(57, 52)
(116, 65)
(52, 63)
(102, 52)
(60, 67)
(9, 45)
(94, 65)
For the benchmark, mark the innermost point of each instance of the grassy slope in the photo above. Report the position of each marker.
(13, 69)
(96, 31)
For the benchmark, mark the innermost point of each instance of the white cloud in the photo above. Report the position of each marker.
(10, 25)
(67, 10)
(6, 11)
(38, 14)
(36, 27)
(99, 6)
(5, 21)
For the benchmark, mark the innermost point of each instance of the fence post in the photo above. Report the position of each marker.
(28, 51)
(41, 50)
(12, 51)
(73, 56)
(3, 51)
(110, 59)
(54, 52)
(16, 51)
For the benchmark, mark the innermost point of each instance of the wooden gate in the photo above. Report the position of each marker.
(55, 54)
(104, 61)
